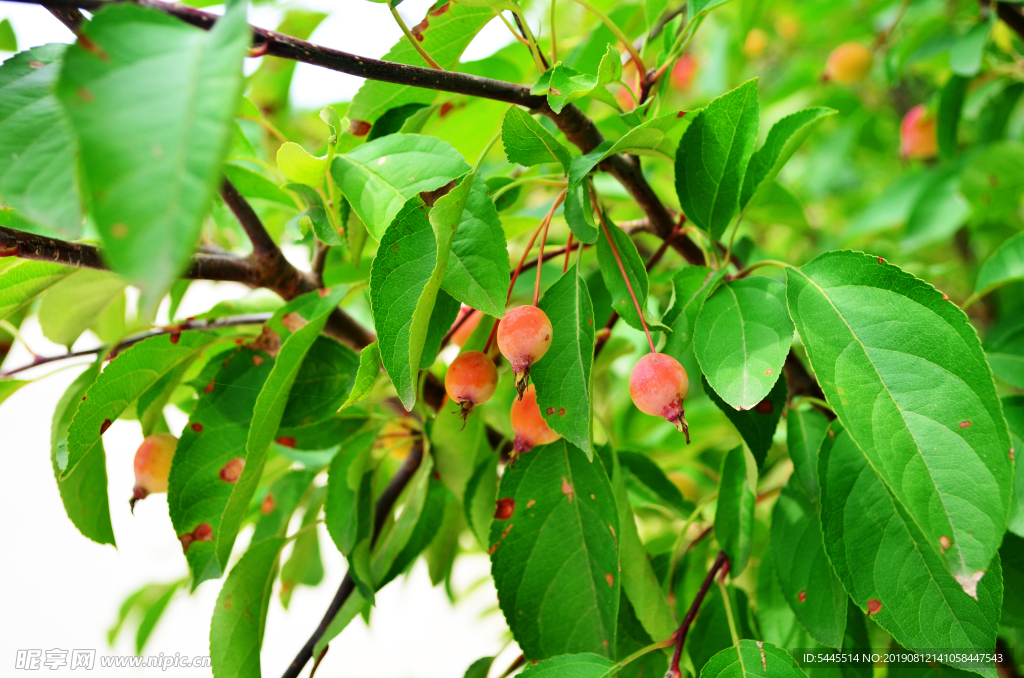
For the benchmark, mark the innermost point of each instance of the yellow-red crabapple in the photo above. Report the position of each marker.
(658, 385)
(471, 380)
(524, 336)
(530, 428)
(152, 466)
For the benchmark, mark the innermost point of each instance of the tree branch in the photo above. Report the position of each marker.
(1011, 15)
(235, 321)
(691, 614)
(577, 127)
(385, 503)
(69, 16)
(262, 244)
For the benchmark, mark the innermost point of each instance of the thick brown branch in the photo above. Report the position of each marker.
(69, 16)
(576, 126)
(385, 503)
(1011, 15)
(262, 243)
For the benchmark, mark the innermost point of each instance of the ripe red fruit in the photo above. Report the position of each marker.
(524, 336)
(658, 385)
(530, 428)
(152, 466)
(471, 380)
(461, 335)
(683, 72)
(917, 134)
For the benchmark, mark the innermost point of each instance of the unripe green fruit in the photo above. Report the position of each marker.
(658, 385)
(153, 465)
(524, 336)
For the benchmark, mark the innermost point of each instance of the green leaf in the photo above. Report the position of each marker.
(701, 6)
(478, 501)
(304, 565)
(585, 665)
(154, 120)
(631, 637)
(24, 280)
(690, 287)
(444, 34)
(1004, 266)
(993, 180)
(555, 559)
(905, 374)
(757, 425)
(423, 522)
(311, 309)
(84, 494)
(741, 339)
(784, 138)
(939, 211)
(478, 266)
(1013, 408)
(366, 375)
(125, 379)
(401, 281)
(37, 148)
(252, 184)
(890, 568)
(622, 301)
(8, 387)
(710, 633)
(152, 616)
(480, 668)
(322, 384)
(648, 484)
(567, 85)
(734, 518)
(349, 506)
(73, 305)
(8, 41)
(527, 143)
(713, 156)
(240, 617)
(214, 437)
(808, 582)
(279, 504)
(777, 621)
(805, 431)
(380, 177)
(579, 213)
(752, 658)
(951, 104)
(562, 378)
(456, 445)
(1011, 555)
(1004, 350)
(967, 52)
(299, 167)
(640, 586)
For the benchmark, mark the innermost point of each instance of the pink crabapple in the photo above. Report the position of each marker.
(658, 385)
(471, 380)
(152, 466)
(530, 428)
(524, 336)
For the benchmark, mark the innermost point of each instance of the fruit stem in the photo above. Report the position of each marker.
(540, 259)
(728, 604)
(691, 614)
(622, 269)
(568, 251)
(412, 39)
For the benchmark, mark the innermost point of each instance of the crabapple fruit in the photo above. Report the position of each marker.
(683, 72)
(755, 42)
(461, 334)
(529, 426)
(152, 466)
(848, 63)
(471, 380)
(524, 336)
(917, 134)
(658, 385)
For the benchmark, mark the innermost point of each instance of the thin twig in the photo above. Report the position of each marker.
(691, 614)
(385, 503)
(412, 38)
(219, 323)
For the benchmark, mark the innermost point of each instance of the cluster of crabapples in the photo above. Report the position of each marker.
(658, 383)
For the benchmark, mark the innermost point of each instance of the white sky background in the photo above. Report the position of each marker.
(63, 591)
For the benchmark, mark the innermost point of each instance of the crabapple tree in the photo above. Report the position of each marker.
(701, 322)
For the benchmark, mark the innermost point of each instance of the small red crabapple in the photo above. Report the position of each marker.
(461, 335)
(152, 466)
(471, 380)
(530, 428)
(524, 336)
(917, 134)
(658, 385)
